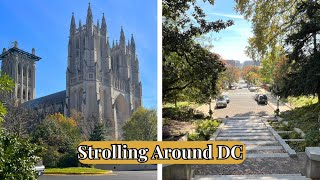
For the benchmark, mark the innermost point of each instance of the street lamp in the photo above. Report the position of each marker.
(210, 110)
(278, 110)
(276, 90)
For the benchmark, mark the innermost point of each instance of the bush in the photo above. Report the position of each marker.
(207, 127)
(18, 157)
(195, 137)
(60, 136)
(313, 137)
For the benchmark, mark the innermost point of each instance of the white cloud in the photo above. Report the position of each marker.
(228, 15)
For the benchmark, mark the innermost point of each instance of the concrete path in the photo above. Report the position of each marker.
(253, 177)
(256, 135)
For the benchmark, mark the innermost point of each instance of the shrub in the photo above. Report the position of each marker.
(313, 137)
(17, 157)
(60, 136)
(207, 127)
(195, 137)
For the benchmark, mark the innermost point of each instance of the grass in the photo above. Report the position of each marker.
(302, 101)
(75, 170)
(306, 119)
(182, 104)
(298, 146)
(292, 135)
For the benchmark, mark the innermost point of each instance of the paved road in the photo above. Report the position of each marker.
(120, 175)
(242, 103)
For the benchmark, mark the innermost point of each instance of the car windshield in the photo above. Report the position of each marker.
(263, 97)
(220, 99)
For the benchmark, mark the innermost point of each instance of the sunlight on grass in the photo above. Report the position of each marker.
(75, 170)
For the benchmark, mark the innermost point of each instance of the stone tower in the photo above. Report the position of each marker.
(21, 67)
(102, 81)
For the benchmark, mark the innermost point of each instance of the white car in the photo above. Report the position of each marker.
(221, 102)
(39, 168)
(252, 89)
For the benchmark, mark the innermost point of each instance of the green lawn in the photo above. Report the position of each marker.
(76, 170)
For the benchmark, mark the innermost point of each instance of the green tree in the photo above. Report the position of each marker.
(60, 136)
(142, 126)
(17, 155)
(98, 133)
(186, 64)
(302, 67)
(6, 85)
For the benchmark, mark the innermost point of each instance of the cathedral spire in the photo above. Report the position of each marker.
(89, 16)
(122, 38)
(80, 25)
(72, 25)
(133, 45)
(103, 25)
(98, 24)
(112, 43)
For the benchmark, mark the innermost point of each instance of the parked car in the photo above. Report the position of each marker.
(252, 89)
(262, 99)
(221, 102)
(232, 87)
(39, 168)
(227, 98)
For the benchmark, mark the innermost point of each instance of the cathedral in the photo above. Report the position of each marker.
(102, 80)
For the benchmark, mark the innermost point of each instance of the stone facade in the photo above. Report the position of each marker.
(102, 81)
(21, 67)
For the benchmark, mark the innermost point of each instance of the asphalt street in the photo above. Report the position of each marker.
(242, 103)
(118, 175)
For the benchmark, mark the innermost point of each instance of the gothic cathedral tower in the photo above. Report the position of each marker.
(102, 82)
(21, 67)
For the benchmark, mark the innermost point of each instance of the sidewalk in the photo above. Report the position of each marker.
(273, 103)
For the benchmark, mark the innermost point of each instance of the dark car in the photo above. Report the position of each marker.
(262, 99)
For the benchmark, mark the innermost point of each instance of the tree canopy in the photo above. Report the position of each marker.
(186, 64)
(142, 126)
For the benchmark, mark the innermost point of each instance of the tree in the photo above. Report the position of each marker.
(60, 136)
(142, 126)
(18, 155)
(271, 20)
(251, 74)
(186, 64)
(6, 85)
(302, 67)
(232, 75)
(98, 133)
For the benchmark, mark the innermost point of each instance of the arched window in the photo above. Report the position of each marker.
(18, 92)
(29, 95)
(24, 95)
(29, 72)
(24, 71)
(19, 69)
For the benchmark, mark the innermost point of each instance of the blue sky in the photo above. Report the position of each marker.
(230, 42)
(44, 25)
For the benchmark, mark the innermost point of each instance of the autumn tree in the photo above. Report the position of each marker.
(60, 136)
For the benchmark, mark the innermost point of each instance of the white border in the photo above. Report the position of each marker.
(159, 77)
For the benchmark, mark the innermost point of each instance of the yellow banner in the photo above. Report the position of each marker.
(161, 152)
